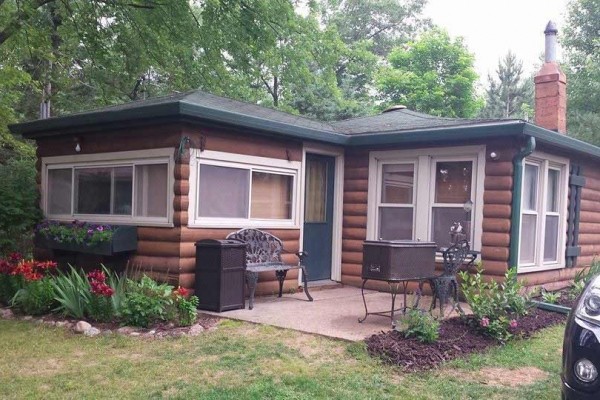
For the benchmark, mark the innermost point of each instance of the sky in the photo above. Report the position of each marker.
(491, 28)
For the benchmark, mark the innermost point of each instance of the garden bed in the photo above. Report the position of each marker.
(457, 339)
(158, 330)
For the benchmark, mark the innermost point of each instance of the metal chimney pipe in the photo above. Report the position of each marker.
(550, 32)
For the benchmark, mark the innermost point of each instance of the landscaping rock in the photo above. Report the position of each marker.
(6, 313)
(62, 324)
(134, 334)
(27, 318)
(91, 332)
(81, 327)
(125, 330)
(107, 332)
(195, 330)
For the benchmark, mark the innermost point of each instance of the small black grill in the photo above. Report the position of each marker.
(389, 260)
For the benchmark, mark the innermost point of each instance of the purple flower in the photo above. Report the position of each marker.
(100, 228)
(90, 231)
(485, 322)
(513, 323)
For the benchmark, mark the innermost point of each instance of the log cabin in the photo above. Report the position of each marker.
(192, 166)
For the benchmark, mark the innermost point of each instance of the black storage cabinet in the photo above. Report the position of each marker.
(220, 274)
(389, 260)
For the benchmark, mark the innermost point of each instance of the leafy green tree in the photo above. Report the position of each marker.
(508, 95)
(434, 74)
(581, 42)
(386, 23)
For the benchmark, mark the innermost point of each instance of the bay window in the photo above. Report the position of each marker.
(116, 189)
(234, 190)
(543, 213)
(420, 194)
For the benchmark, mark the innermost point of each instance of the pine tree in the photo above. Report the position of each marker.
(508, 95)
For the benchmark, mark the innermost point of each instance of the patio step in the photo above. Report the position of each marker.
(324, 285)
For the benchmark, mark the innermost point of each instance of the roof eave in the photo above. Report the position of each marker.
(55, 126)
(561, 140)
(441, 134)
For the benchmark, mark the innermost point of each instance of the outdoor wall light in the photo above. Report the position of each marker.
(77, 141)
(494, 155)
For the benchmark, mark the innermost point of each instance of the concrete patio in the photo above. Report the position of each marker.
(333, 313)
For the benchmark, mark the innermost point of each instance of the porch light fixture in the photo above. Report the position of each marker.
(494, 156)
(77, 141)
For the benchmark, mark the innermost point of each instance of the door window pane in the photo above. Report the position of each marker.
(271, 196)
(151, 190)
(316, 191)
(453, 181)
(552, 192)
(395, 223)
(398, 183)
(59, 191)
(551, 238)
(223, 192)
(93, 190)
(530, 184)
(528, 239)
(442, 219)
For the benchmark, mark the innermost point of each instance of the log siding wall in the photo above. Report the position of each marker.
(169, 252)
(496, 224)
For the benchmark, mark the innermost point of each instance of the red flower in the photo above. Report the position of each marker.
(6, 268)
(97, 275)
(27, 269)
(180, 291)
(98, 284)
(15, 257)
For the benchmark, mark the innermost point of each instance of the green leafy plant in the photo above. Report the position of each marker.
(72, 293)
(550, 297)
(496, 307)
(35, 297)
(19, 211)
(35, 294)
(147, 301)
(583, 277)
(10, 282)
(186, 307)
(421, 326)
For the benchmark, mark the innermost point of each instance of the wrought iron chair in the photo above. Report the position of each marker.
(445, 284)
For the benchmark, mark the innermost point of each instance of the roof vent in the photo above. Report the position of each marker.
(394, 108)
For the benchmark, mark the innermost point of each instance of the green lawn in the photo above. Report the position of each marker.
(244, 361)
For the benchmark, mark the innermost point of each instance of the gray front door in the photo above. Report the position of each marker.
(318, 215)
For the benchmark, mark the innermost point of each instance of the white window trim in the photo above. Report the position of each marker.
(424, 158)
(547, 161)
(255, 163)
(113, 159)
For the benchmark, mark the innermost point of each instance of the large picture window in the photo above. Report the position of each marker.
(420, 194)
(118, 191)
(233, 190)
(543, 213)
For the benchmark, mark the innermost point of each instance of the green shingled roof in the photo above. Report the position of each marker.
(398, 126)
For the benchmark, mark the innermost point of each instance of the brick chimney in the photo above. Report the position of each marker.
(551, 88)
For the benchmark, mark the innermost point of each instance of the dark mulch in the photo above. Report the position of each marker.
(566, 299)
(458, 338)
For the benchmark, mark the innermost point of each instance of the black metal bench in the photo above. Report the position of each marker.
(263, 253)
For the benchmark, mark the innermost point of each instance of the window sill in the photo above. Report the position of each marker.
(243, 224)
(537, 268)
